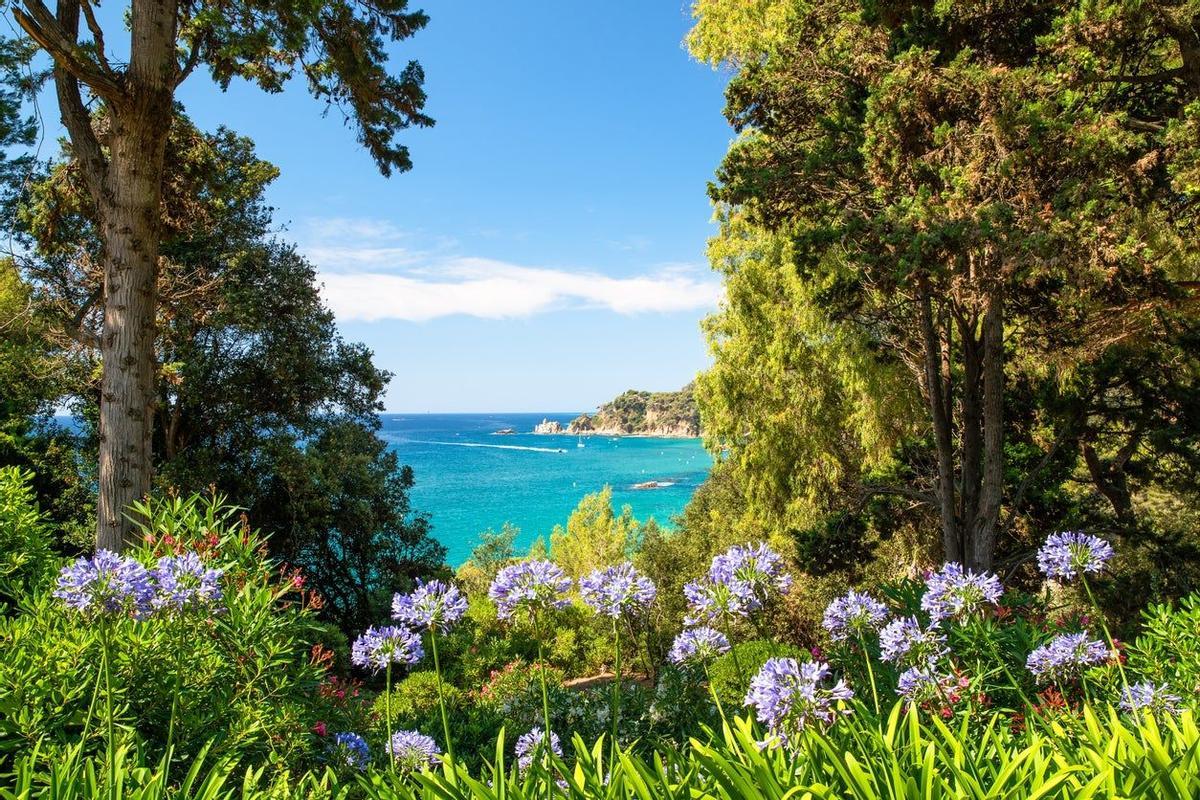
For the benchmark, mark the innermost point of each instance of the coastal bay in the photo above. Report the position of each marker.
(469, 479)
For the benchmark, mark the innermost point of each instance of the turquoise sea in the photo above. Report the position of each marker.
(468, 479)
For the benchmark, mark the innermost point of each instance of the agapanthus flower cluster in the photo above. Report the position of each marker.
(853, 615)
(532, 586)
(698, 646)
(532, 745)
(924, 684)
(379, 647)
(106, 585)
(413, 751)
(788, 696)
(1066, 657)
(1146, 696)
(757, 565)
(905, 641)
(184, 583)
(954, 592)
(435, 604)
(711, 601)
(349, 750)
(1066, 556)
(617, 591)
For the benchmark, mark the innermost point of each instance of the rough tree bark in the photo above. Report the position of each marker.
(967, 421)
(981, 537)
(942, 433)
(124, 179)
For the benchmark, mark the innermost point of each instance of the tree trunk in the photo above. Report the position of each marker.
(942, 434)
(981, 544)
(130, 232)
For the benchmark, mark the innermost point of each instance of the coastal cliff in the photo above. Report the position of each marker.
(637, 413)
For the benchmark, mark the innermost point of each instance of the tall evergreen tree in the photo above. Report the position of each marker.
(995, 199)
(258, 395)
(338, 46)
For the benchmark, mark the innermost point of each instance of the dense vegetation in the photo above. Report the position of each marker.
(193, 666)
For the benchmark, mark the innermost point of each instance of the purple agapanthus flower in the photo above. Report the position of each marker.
(1066, 657)
(698, 646)
(349, 750)
(905, 641)
(617, 591)
(413, 751)
(106, 585)
(533, 586)
(853, 615)
(787, 696)
(184, 583)
(923, 684)
(532, 745)
(1065, 556)
(378, 647)
(1145, 696)
(435, 604)
(756, 565)
(711, 601)
(954, 592)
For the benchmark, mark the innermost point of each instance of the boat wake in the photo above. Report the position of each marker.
(497, 446)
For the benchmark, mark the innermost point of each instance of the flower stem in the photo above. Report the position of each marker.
(615, 711)
(437, 670)
(387, 711)
(713, 691)
(106, 643)
(870, 671)
(176, 686)
(737, 664)
(537, 632)
(1108, 636)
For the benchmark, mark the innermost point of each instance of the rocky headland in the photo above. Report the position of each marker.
(637, 413)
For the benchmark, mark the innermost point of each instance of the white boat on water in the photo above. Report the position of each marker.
(579, 442)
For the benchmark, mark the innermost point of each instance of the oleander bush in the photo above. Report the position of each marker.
(192, 666)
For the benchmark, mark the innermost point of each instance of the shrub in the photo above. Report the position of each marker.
(246, 676)
(27, 562)
(1169, 649)
(731, 673)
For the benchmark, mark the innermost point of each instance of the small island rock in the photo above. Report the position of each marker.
(548, 426)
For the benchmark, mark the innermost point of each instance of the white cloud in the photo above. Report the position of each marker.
(497, 290)
(372, 270)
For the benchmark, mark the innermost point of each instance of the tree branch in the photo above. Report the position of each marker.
(98, 37)
(1155, 77)
(192, 60)
(84, 146)
(62, 45)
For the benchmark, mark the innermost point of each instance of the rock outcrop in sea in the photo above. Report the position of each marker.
(637, 413)
(548, 426)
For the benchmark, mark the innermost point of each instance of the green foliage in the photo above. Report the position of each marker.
(247, 679)
(26, 560)
(919, 198)
(595, 536)
(1168, 650)
(494, 552)
(352, 534)
(731, 673)
(909, 757)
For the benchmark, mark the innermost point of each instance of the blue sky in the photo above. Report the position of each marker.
(547, 250)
